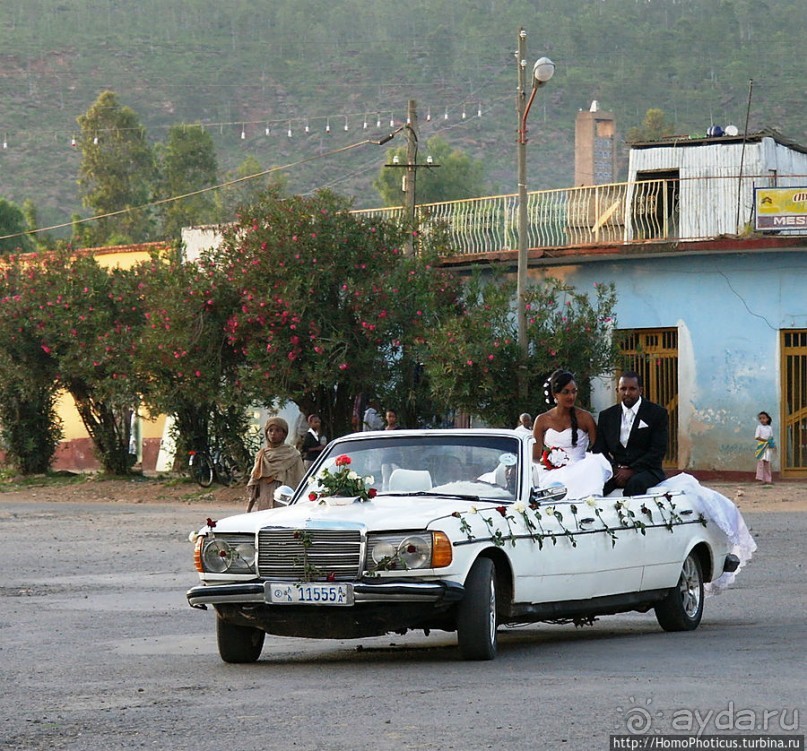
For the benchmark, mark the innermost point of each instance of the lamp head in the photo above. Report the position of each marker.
(543, 70)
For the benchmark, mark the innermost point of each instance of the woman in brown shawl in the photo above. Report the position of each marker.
(277, 464)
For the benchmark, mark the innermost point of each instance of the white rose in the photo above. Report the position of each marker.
(473, 510)
(519, 507)
(591, 501)
(192, 537)
(352, 475)
(369, 480)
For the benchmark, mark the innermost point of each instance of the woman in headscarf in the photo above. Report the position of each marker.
(277, 464)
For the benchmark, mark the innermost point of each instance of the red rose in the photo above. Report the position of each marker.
(372, 493)
(312, 496)
(210, 523)
(342, 461)
(502, 510)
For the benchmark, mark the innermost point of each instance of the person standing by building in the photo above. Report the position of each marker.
(313, 441)
(372, 420)
(524, 423)
(391, 417)
(766, 445)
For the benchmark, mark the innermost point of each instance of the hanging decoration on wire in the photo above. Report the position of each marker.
(270, 127)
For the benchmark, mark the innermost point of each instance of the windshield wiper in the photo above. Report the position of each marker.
(432, 494)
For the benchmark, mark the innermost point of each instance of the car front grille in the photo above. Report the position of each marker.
(309, 554)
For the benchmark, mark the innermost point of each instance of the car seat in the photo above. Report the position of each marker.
(410, 479)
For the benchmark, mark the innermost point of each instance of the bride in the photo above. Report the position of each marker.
(563, 435)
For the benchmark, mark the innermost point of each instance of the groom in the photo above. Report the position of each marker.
(632, 435)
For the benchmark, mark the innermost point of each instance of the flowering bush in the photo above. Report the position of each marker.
(343, 481)
(554, 457)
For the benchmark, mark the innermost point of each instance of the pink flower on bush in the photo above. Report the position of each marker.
(343, 366)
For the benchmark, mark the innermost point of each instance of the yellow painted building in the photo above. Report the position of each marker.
(75, 451)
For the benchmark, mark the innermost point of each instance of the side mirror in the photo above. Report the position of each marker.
(554, 492)
(283, 495)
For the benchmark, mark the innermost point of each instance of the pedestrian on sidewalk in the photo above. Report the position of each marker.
(766, 445)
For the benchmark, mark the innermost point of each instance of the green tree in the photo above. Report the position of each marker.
(457, 176)
(91, 326)
(654, 127)
(186, 356)
(117, 172)
(241, 187)
(187, 164)
(29, 426)
(474, 359)
(13, 222)
(329, 306)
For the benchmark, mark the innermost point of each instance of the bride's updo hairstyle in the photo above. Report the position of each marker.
(558, 381)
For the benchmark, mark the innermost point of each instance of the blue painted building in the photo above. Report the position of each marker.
(716, 313)
(721, 329)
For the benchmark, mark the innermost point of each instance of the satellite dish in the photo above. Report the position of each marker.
(732, 130)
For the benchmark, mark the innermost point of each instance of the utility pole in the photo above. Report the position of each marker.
(410, 177)
(521, 271)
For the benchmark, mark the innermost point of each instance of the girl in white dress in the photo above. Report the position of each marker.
(765, 448)
(563, 435)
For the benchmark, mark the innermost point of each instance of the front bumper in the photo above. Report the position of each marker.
(388, 592)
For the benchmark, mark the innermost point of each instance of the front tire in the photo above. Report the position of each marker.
(238, 644)
(476, 613)
(682, 608)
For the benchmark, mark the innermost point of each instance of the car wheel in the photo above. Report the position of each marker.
(682, 608)
(238, 643)
(476, 614)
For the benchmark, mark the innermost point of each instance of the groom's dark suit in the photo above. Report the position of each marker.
(646, 447)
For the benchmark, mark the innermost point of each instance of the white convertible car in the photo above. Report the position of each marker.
(443, 529)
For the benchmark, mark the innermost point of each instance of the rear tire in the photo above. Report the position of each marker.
(202, 469)
(238, 644)
(682, 608)
(476, 613)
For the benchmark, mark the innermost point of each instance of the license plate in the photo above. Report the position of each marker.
(282, 593)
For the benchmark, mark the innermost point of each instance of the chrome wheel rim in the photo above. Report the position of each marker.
(492, 612)
(690, 588)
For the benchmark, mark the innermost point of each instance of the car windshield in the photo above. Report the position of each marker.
(484, 467)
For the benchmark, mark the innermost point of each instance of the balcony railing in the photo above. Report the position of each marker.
(617, 213)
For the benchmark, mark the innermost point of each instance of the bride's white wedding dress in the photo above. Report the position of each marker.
(584, 474)
(722, 512)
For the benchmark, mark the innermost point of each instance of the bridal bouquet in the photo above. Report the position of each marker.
(554, 457)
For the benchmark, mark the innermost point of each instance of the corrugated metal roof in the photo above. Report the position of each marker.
(684, 141)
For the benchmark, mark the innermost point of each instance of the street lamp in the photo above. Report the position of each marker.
(542, 71)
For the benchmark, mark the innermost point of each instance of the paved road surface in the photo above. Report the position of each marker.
(98, 650)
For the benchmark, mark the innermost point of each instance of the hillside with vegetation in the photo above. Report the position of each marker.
(334, 75)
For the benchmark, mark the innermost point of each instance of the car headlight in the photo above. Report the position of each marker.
(232, 554)
(408, 550)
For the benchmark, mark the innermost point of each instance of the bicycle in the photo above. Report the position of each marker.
(216, 465)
